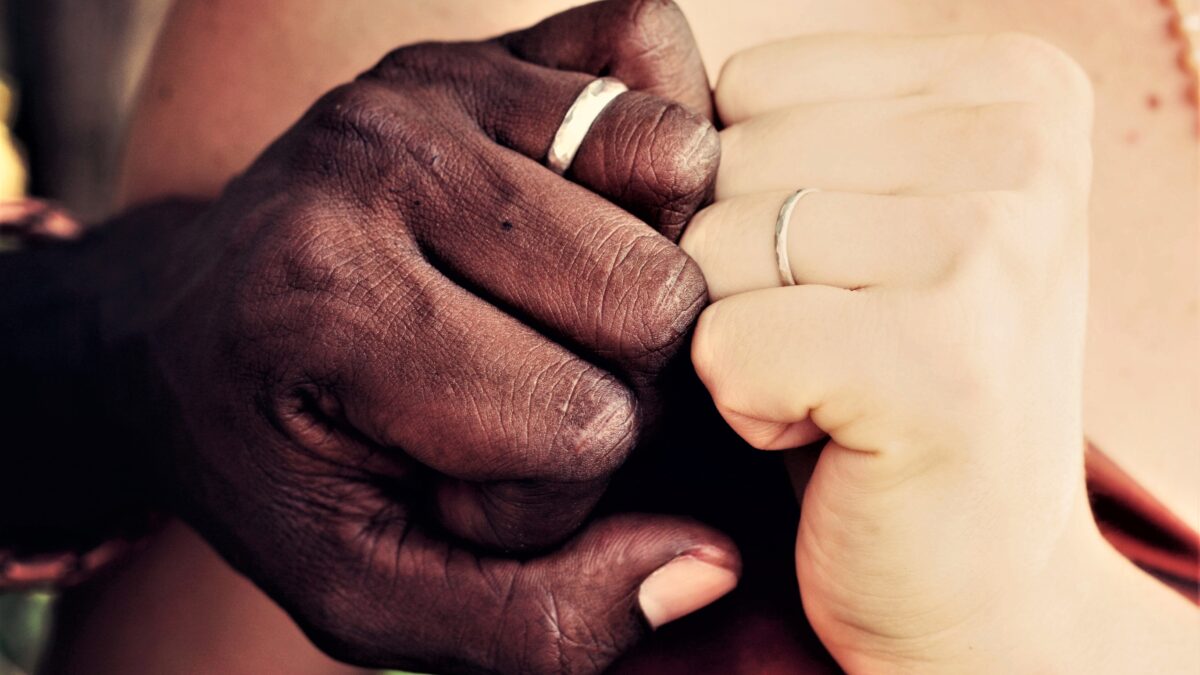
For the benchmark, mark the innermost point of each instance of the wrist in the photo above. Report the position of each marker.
(1009, 614)
(1127, 621)
(1089, 610)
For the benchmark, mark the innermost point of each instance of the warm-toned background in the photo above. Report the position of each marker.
(72, 67)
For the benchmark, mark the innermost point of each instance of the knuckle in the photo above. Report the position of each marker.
(294, 406)
(670, 292)
(1017, 47)
(705, 347)
(413, 64)
(648, 23)
(593, 425)
(607, 436)
(403, 62)
(1047, 72)
(683, 155)
(994, 243)
(991, 218)
(315, 259)
(349, 135)
(659, 158)
(336, 262)
(441, 73)
(652, 44)
(1027, 143)
(729, 93)
(354, 112)
(685, 295)
(978, 244)
(1069, 82)
(333, 270)
(697, 237)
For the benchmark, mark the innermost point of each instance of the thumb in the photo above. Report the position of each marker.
(403, 597)
(619, 579)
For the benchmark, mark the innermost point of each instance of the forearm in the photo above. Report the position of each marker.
(70, 318)
(195, 137)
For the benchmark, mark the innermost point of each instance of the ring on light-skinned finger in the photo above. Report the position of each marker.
(781, 230)
(592, 101)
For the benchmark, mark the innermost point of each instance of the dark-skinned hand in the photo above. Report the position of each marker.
(403, 358)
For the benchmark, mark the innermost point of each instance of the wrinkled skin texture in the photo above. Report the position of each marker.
(402, 358)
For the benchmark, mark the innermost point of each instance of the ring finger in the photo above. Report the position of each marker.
(844, 239)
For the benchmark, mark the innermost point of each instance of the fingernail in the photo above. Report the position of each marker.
(681, 587)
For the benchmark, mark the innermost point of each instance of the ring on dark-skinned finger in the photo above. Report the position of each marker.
(781, 230)
(579, 119)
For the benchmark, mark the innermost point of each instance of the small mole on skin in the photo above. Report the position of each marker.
(1152, 101)
(506, 226)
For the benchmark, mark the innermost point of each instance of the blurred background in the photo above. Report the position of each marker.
(71, 69)
(68, 77)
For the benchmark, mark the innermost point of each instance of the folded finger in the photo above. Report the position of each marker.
(563, 260)
(650, 155)
(843, 239)
(574, 610)
(941, 69)
(892, 147)
(425, 367)
(645, 43)
(775, 359)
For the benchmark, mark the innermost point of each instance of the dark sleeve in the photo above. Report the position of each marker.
(1141, 527)
(73, 471)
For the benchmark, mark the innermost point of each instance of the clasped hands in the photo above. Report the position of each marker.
(402, 359)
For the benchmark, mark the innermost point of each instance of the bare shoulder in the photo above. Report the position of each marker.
(227, 76)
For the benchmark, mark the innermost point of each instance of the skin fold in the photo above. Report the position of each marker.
(339, 371)
(1139, 394)
(935, 335)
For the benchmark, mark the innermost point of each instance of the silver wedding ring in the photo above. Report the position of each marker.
(781, 235)
(579, 120)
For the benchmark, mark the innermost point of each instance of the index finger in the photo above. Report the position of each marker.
(778, 357)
